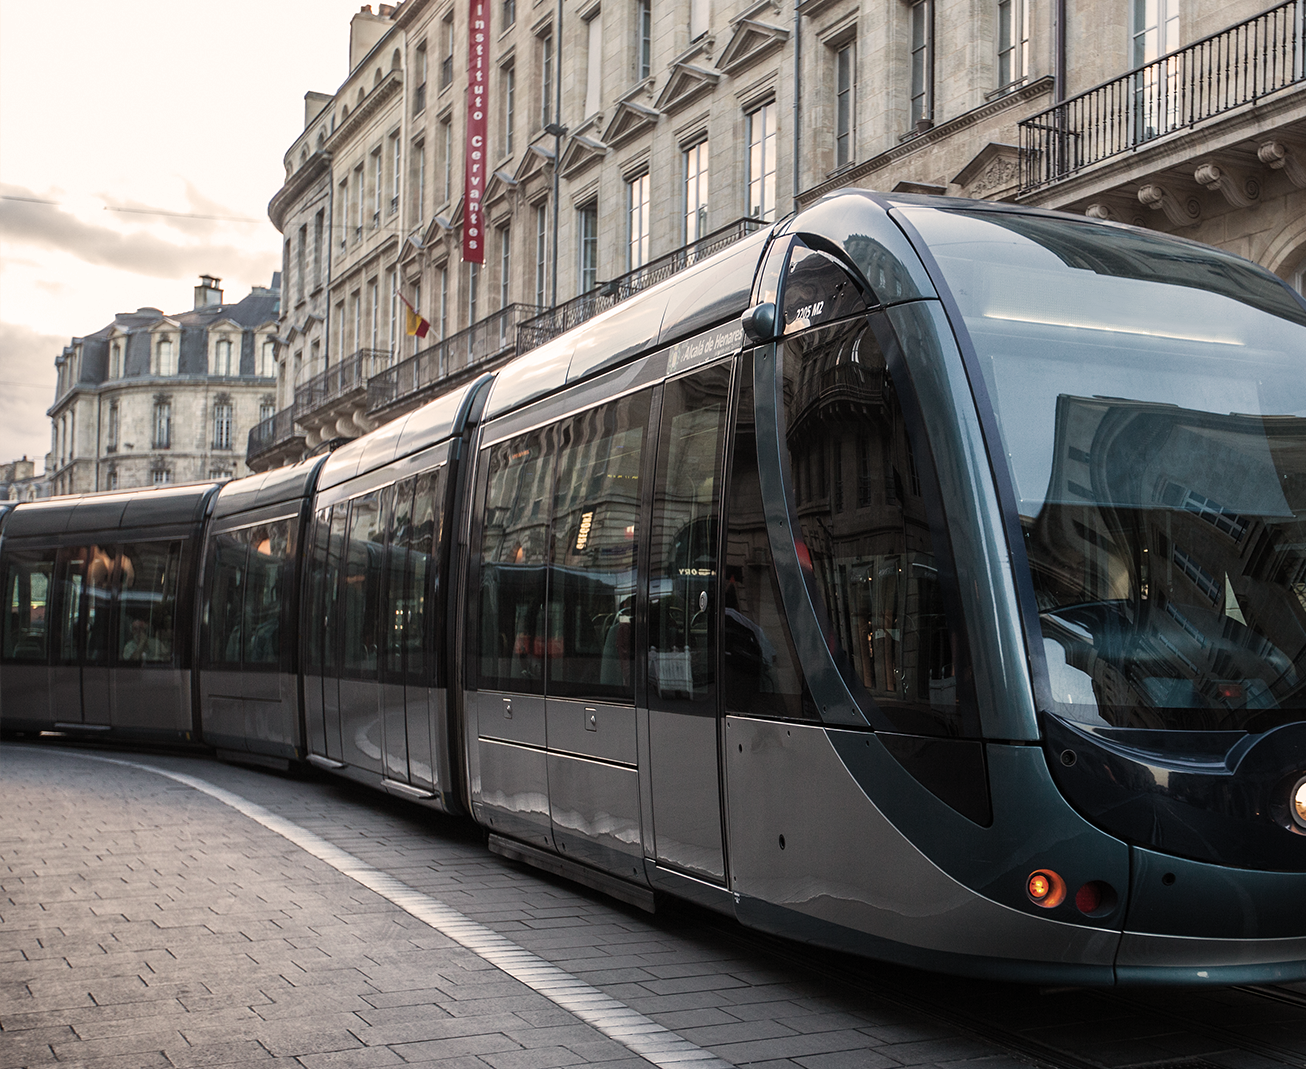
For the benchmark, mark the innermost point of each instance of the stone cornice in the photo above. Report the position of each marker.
(390, 84)
(1023, 95)
(297, 185)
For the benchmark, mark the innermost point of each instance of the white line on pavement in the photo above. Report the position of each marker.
(614, 1019)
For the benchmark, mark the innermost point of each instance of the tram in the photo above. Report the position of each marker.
(921, 578)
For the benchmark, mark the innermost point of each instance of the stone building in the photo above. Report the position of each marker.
(19, 481)
(153, 399)
(627, 140)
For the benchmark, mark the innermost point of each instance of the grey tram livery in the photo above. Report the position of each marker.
(921, 578)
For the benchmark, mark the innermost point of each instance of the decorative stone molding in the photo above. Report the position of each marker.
(687, 82)
(1180, 213)
(629, 119)
(580, 153)
(1239, 190)
(1280, 157)
(750, 40)
(992, 173)
(1098, 210)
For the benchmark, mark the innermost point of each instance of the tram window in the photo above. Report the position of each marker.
(148, 575)
(596, 509)
(226, 606)
(29, 580)
(315, 592)
(332, 608)
(683, 567)
(398, 607)
(421, 572)
(513, 559)
(762, 676)
(818, 290)
(266, 577)
(101, 562)
(363, 585)
(875, 566)
(72, 584)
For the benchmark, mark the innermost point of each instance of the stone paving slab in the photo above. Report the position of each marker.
(145, 923)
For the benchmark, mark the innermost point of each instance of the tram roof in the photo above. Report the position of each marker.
(267, 488)
(145, 507)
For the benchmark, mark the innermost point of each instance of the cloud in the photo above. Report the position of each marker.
(47, 226)
(26, 358)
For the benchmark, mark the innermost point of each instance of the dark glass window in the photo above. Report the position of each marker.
(315, 591)
(422, 577)
(875, 567)
(683, 566)
(331, 609)
(397, 607)
(72, 586)
(595, 548)
(226, 605)
(148, 574)
(267, 582)
(363, 586)
(762, 676)
(514, 547)
(29, 583)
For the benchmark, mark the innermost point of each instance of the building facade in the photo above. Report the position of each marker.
(153, 399)
(625, 140)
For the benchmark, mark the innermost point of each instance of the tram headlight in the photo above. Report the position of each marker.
(1045, 888)
(1298, 802)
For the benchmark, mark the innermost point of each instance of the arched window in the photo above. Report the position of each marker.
(115, 360)
(1298, 277)
(222, 425)
(222, 361)
(165, 357)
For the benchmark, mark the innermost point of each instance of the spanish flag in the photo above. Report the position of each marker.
(415, 324)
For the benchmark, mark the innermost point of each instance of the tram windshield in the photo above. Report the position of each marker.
(1151, 397)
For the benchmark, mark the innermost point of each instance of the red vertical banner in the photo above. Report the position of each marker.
(475, 154)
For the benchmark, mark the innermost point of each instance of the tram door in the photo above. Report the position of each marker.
(79, 678)
(682, 602)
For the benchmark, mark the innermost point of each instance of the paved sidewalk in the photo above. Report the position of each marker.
(144, 923)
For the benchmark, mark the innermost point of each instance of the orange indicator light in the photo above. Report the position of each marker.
(1045, 888)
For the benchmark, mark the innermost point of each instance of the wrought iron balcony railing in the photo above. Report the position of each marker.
(354, 372)
(549, 324)
(269, 433)
(1236, 66)
(485, 341)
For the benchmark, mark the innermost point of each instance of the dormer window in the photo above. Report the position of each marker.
(222, 362)
(165, 356)
(115, 360)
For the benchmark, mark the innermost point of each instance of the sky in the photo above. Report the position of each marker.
(139, 146)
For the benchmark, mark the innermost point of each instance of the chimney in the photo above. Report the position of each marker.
(313, 105)
(365, 30)
(208, 293)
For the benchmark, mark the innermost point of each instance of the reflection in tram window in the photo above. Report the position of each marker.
(226, 591)
(72, 583)
(398, 603)
(762, 673)
(683, 568)
(29, 581)
(425, 535)
(315, 592)
(513, 557)
(101, 562)
(872, 558)
(147, 601)
(267, 576)
(1152, 408)
(363, 586)
(595, 548)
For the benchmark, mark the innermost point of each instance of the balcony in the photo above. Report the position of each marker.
(486, 344)
(274, 441)
(554, 321)
(1240, 65)
(333, 404)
